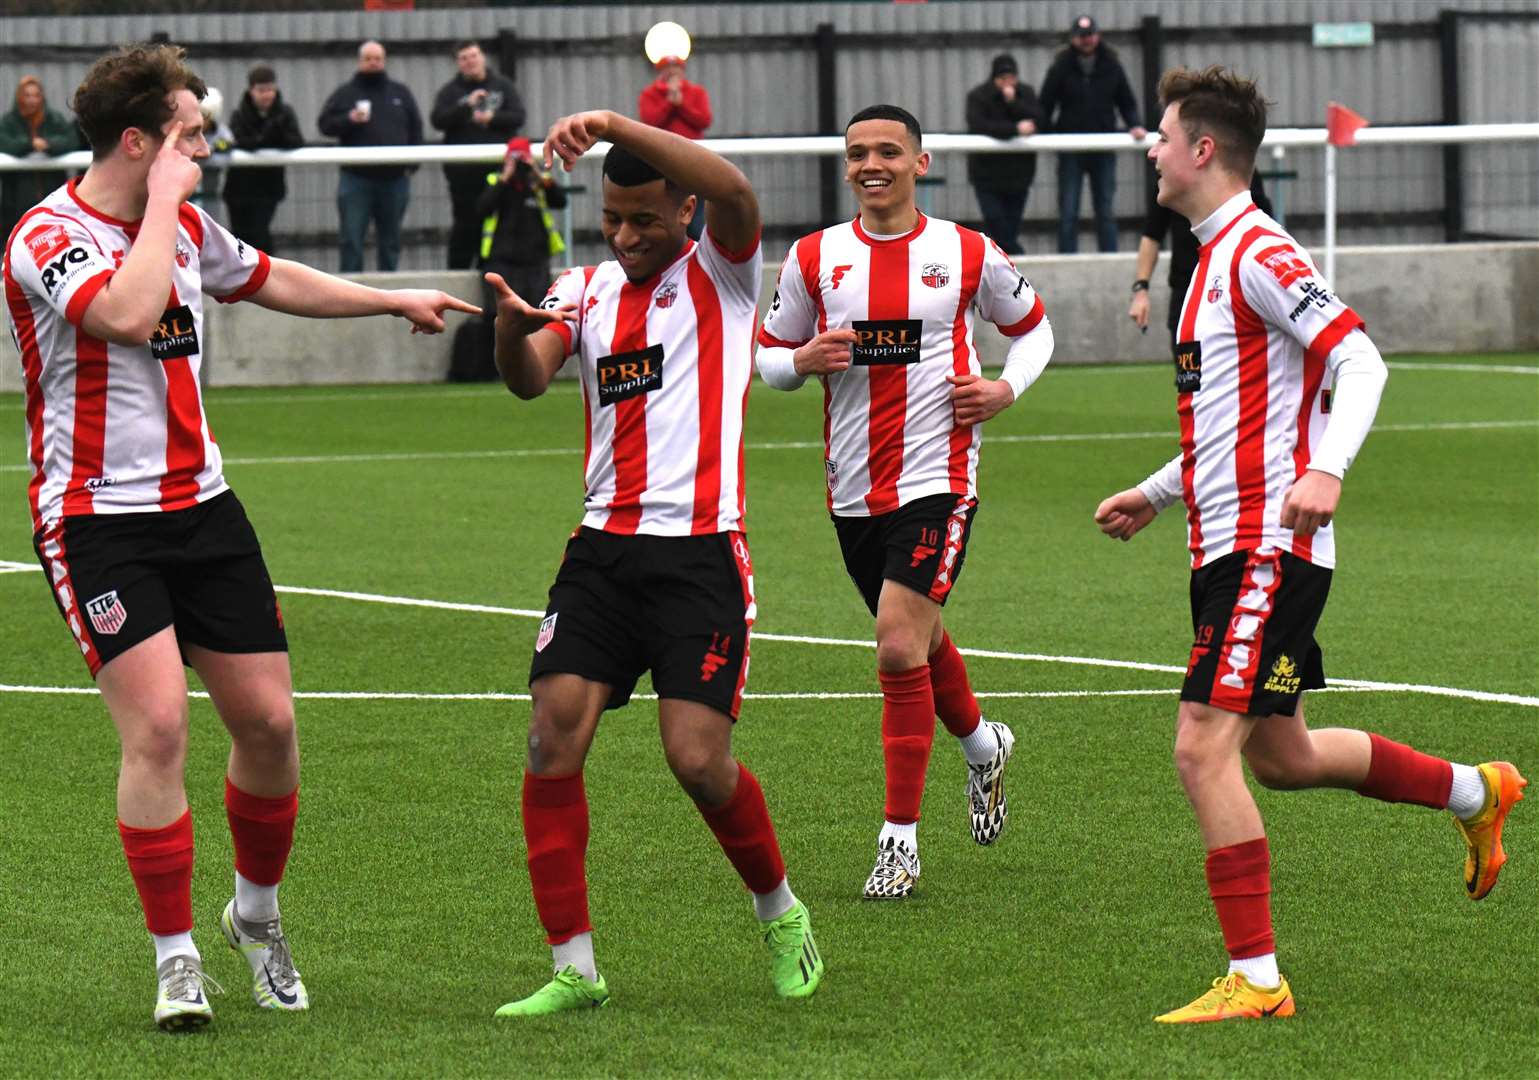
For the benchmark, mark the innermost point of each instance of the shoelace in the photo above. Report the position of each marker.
(889, 861)
(1228, 984)
(179, 987)
(280, 965)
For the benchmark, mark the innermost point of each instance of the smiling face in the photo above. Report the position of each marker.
(1176, 160)
(191, 144)
(881, 163)
(472, 63)
(645, 225)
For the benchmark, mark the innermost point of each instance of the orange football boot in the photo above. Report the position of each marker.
(1234, 997)
(1483, 832)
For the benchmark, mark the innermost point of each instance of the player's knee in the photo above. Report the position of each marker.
(698, 771)
(1196, 752)
(268, 730)
(158, 739)
(1280, 773)
(901, 650)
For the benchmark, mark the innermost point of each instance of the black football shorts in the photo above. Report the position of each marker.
(921, 545)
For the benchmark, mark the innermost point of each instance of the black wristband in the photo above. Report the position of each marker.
(1141, 285)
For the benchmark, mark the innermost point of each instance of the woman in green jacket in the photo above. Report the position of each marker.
(31, 127)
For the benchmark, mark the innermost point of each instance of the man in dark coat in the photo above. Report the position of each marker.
(261, 122)
(1086, 87)
(1003, 107)
(476, 106)
(372, 110)
(31, 127)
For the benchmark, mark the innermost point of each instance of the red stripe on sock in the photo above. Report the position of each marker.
(160, 861)
(954, 701)
(908, 729)
(262, 830)
(1240, 882)
(1396, 773)
(743, 829)
(556, 832)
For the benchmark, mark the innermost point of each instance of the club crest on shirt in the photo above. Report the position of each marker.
(547, 631)
(935, 275)
(107, 613)
(1216, 289)
(665, 296)
(183, 256)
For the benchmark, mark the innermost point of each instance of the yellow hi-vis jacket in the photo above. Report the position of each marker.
(555, 244)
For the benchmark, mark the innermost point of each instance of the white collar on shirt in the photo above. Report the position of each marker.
(1215, 222)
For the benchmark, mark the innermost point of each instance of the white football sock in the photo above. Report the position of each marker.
(1468, 793)
(775, 903)
(905, 834)
(169, 945)
(255, 903)
(980, 744)
(1260, 970)
(577, 951)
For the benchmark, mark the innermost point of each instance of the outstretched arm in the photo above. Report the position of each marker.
(528, 360)
(731, 208)
(297, 289)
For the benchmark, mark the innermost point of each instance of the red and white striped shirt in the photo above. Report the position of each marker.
(665, 367)
(889, 432)
(115, 429)
(1259, 330)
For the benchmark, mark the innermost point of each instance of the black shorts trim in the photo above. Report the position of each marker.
(120, 579)
(1254, 615)
(680, 607)
(921, 545)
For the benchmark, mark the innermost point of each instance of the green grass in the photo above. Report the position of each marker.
(408, 901)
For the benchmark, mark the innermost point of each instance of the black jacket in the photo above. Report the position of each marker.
(452, 115)
(278, 130)
(394, 120)
(521, 237)
(1183, 242)
(1087, 103)
(988, 113)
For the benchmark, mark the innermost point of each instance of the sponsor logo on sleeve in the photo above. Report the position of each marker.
(1188, 367)
(1314, 296)
(107, 613)
(61, 271)
(1286, 266)
(46, 241)
(1020, 284)
(628, 374)
(886, 341)
(175, 335)
(935, 275)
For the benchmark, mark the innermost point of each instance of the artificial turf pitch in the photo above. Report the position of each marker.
(408, 902)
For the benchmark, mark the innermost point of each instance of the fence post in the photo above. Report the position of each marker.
(507, 54)
(1151, 34)
(828, 124)
(1453, 153)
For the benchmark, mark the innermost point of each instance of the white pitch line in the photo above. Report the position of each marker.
(989, 654)
(572, 451)
(1497, 369)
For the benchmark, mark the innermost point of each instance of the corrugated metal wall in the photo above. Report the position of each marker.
(762, 78)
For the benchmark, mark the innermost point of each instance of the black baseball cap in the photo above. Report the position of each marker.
(1004, 64)
(1084, 26)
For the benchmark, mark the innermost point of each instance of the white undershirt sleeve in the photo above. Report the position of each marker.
(1028, 355)
(777, 367)
(1359, 376)
(1163, 487)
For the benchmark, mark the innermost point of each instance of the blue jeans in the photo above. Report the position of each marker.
(1102, 168)
(1002, 214)
(383, 199)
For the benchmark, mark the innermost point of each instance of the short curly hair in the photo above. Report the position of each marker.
(132, 88)
(1224, 106)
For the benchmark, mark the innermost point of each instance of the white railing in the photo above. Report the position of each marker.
(833, 145)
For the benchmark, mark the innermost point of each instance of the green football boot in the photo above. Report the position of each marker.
(567, 991)
(796, 966)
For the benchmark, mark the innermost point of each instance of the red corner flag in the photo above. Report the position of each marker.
(1341, 125)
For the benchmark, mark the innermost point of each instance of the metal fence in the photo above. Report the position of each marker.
(795, 70)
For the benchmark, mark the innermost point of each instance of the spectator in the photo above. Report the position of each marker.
(31, 127)
(219, 140)
(476, 106)
(261, 122)
(1003, 108)
(518, 236)
(675, 104)
(1086, 86)
(371, 110)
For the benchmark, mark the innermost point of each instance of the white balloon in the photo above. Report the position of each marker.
(667, 39)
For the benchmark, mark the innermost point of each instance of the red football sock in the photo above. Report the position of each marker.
(160, 861)
(744, 831)
(1396, 773)
(954, 701)
(908, 729)
(556, 832)
(263, 832)
(1240, 882)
